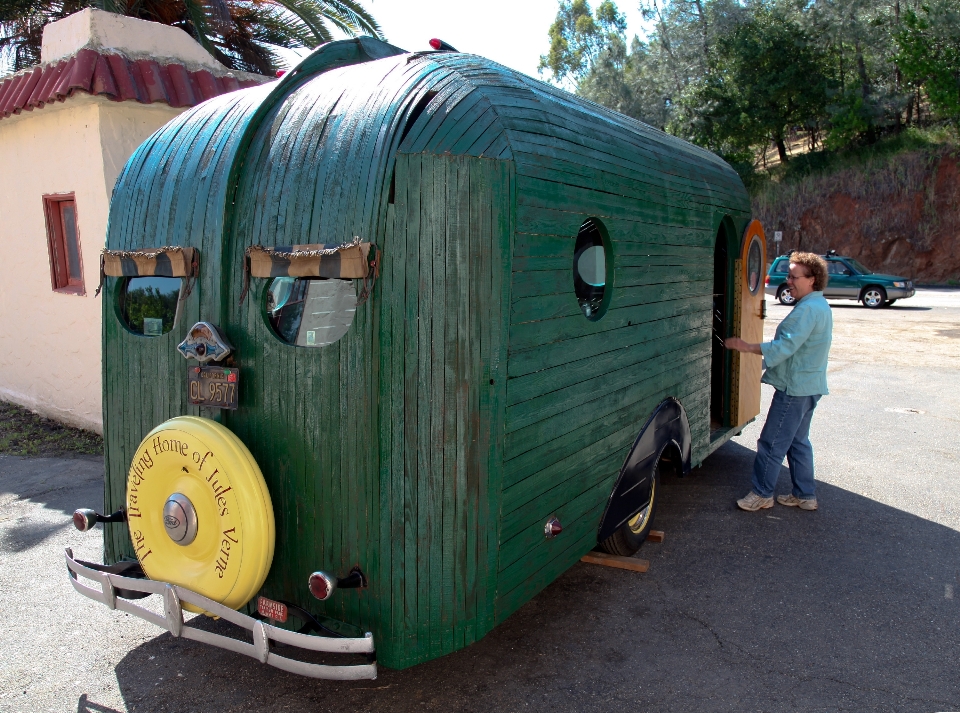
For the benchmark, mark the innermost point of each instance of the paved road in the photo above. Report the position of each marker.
(852, 608)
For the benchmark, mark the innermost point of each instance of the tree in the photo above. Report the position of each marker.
(766, 76)
(578, 36)
(929, 56)
(241, 34)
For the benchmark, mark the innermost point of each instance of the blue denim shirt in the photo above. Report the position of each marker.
(796, 359)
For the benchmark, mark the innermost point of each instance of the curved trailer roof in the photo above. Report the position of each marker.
(309, 158)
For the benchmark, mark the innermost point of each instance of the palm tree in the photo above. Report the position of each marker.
(242, 34)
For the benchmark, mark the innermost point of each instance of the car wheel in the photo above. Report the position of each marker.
(631, 534)
(874, 297)
(785, 297)
(889, 302)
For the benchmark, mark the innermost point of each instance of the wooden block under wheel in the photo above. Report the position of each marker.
(630, 563)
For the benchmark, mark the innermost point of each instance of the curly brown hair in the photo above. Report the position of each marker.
(815, 266)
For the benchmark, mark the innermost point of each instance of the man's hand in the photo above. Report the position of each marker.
(739, 345)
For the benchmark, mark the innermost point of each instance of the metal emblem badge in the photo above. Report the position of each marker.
(204, 343)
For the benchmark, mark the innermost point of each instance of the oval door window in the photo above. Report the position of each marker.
(590, 270)
(754, 265)
(148, 305)
(310, 312)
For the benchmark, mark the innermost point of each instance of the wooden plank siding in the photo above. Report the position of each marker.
(580, 390)
(451, 237)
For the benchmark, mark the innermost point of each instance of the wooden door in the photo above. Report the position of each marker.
(749, 312)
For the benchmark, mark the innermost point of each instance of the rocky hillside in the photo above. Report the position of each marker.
(898, 215)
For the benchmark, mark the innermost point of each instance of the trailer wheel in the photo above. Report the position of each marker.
(199, 511)
(626, 540)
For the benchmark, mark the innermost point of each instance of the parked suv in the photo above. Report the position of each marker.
(848, 280)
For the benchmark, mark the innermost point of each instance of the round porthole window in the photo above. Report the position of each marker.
(754, 265)
(590, 270)
(149, 305)
(310, 312)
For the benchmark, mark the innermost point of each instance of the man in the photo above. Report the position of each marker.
(796, 366)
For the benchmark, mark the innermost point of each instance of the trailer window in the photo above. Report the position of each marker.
(754, 257)
(149, 305)
(310, 312)
(590, 269)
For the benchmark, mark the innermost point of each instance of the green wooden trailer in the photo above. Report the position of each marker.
(549, 283)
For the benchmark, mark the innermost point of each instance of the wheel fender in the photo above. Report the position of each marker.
(666, 425)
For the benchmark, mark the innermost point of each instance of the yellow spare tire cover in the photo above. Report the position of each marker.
(199, 511)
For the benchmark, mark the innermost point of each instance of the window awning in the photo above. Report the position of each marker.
(346, 261)
(356, 260)
(168, 261)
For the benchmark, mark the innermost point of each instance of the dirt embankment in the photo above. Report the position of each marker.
(900, 215)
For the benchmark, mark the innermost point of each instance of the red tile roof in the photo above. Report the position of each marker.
(116, 77)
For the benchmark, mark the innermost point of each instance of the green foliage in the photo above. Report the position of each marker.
(930, 55)
(577, 37)
(736, 76)
(763, 77)
(849, 120)
(242, 34)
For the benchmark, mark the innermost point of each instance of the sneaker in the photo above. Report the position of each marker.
(753, 502)
(792, 501)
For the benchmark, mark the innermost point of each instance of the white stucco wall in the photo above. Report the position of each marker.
(49, 341)
(135, 38)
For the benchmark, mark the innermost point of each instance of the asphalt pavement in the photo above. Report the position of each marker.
(854, 607)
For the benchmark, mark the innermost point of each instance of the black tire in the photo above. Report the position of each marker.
(783, 294)
(630, 535)
(873, 297)
(889, 302)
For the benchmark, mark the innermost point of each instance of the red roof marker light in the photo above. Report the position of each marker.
(442, 46)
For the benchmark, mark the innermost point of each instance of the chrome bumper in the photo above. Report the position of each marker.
(898, 293)
(263, 633)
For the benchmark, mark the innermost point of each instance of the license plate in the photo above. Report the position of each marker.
(271, 609)
(213, 386)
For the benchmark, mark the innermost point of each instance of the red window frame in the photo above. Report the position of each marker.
(66, 265)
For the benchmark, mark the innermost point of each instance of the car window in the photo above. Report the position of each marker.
(781, 266)
(859, 266)
(836, 268)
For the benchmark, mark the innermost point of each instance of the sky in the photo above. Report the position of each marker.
(511, 32)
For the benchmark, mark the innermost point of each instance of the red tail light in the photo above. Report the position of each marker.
(766, 280)
(322, 585)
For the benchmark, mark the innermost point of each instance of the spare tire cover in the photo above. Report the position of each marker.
(199, 511)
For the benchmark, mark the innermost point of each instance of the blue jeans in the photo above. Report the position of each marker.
(786, 433)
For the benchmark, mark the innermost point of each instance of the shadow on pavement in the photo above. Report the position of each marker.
(63, 484)
(896, 307)
(846, 608)
(87, 706)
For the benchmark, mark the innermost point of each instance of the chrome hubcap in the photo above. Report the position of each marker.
(180, 519)
(872, 298)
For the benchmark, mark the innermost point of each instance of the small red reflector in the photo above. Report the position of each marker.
(271, 609)
(320, 586)
(435, 43)
(281, 72)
